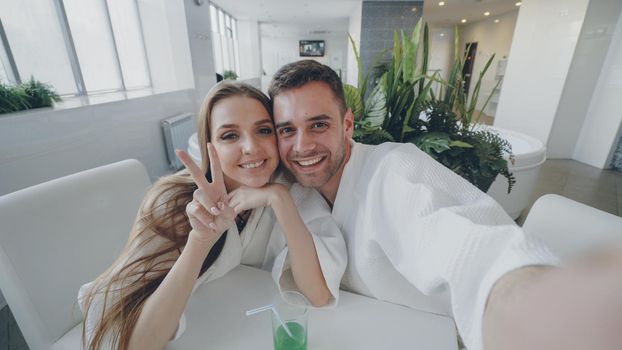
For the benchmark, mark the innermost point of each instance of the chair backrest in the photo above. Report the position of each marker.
(571, 228)
(60, 234)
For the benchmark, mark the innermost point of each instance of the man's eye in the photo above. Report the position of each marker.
(286, 131)
(319, 125)
(265, 131)
(229, 136)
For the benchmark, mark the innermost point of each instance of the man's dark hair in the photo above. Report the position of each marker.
(297, 74)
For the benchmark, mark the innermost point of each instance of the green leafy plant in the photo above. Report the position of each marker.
(31, 94)
(229, 74)
(402, 107)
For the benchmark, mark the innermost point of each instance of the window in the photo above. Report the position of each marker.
(90, 46)
(33, 31)
(224, 40)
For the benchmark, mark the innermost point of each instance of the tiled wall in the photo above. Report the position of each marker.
(616, 162)
(378, 22)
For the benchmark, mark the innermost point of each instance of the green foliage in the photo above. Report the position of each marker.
(31, 94)
(229, 74)
(402, 107)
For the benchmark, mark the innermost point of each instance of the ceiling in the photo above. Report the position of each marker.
(331, 11)
(471, 10)
(290, 11)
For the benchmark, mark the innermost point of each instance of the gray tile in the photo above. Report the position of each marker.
(4, 328)
(15, 338)
(601, 189)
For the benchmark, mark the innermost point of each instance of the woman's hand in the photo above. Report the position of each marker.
(244, 198)
(208, 213)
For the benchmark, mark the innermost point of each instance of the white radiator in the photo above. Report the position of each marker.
(177, 131)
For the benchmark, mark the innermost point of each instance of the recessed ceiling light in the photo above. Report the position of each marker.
(442, 34)
(496, 21)
(414, 9)
(486, 13)
(441, 3)
(519, 3)
(463, 20)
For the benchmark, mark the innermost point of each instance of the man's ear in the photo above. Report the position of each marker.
(348, 124)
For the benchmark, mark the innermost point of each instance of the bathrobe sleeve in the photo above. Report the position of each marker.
(329, 244)
(442, 233)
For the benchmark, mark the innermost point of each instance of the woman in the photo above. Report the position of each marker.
(138, 302)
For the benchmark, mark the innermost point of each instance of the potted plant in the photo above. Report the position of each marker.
(229, 74)
(401, 106)
(32, 94)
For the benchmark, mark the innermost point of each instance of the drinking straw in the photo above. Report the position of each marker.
(276, 314)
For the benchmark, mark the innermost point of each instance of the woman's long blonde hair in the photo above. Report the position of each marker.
(162, 213)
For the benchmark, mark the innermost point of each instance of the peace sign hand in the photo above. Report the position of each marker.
(208, 213)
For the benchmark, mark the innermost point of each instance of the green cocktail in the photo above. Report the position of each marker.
(282, 341)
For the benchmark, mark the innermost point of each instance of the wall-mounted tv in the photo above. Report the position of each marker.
(313, 48)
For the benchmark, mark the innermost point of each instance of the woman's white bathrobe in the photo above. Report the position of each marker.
(261, 244)
(412, 226)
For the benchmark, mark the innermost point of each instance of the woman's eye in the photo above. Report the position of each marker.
(265, 131)
(228, 136)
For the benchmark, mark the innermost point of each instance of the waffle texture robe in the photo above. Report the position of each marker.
(419, 235)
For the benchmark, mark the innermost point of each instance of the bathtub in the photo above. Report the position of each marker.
(529, 154)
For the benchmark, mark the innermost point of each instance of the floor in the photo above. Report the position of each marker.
(10, 336)
(601, 189)
(598, 188)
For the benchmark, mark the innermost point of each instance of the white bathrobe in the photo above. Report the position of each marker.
(261, 244)
(412, 226)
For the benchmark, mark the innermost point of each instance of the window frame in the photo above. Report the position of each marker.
(225, 49)
(81, 91)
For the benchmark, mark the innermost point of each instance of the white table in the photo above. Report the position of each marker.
(216, 320)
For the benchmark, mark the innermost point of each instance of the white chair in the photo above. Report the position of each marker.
(571, 228)
(58, 235)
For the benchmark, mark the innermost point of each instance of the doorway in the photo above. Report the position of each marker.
(467, 70)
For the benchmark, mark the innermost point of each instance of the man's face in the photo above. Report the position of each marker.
(311, 134)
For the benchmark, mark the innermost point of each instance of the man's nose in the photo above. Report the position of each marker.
(304, 143)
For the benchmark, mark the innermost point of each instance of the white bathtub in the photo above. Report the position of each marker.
(529, 154)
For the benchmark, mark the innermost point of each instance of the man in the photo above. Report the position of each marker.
(412, 227)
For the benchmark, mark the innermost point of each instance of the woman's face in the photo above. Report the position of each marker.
(243, 135)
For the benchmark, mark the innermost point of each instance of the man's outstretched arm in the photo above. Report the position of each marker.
(574, 308)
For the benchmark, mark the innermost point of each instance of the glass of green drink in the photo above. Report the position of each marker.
(292, 309)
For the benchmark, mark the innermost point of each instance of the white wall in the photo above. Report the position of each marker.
(42, 145)
(249, 49)
(492, 38)
(592, 47)
(601, 129)
(543, 45)
(279, 45)
(354, 29)
(441, 49)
